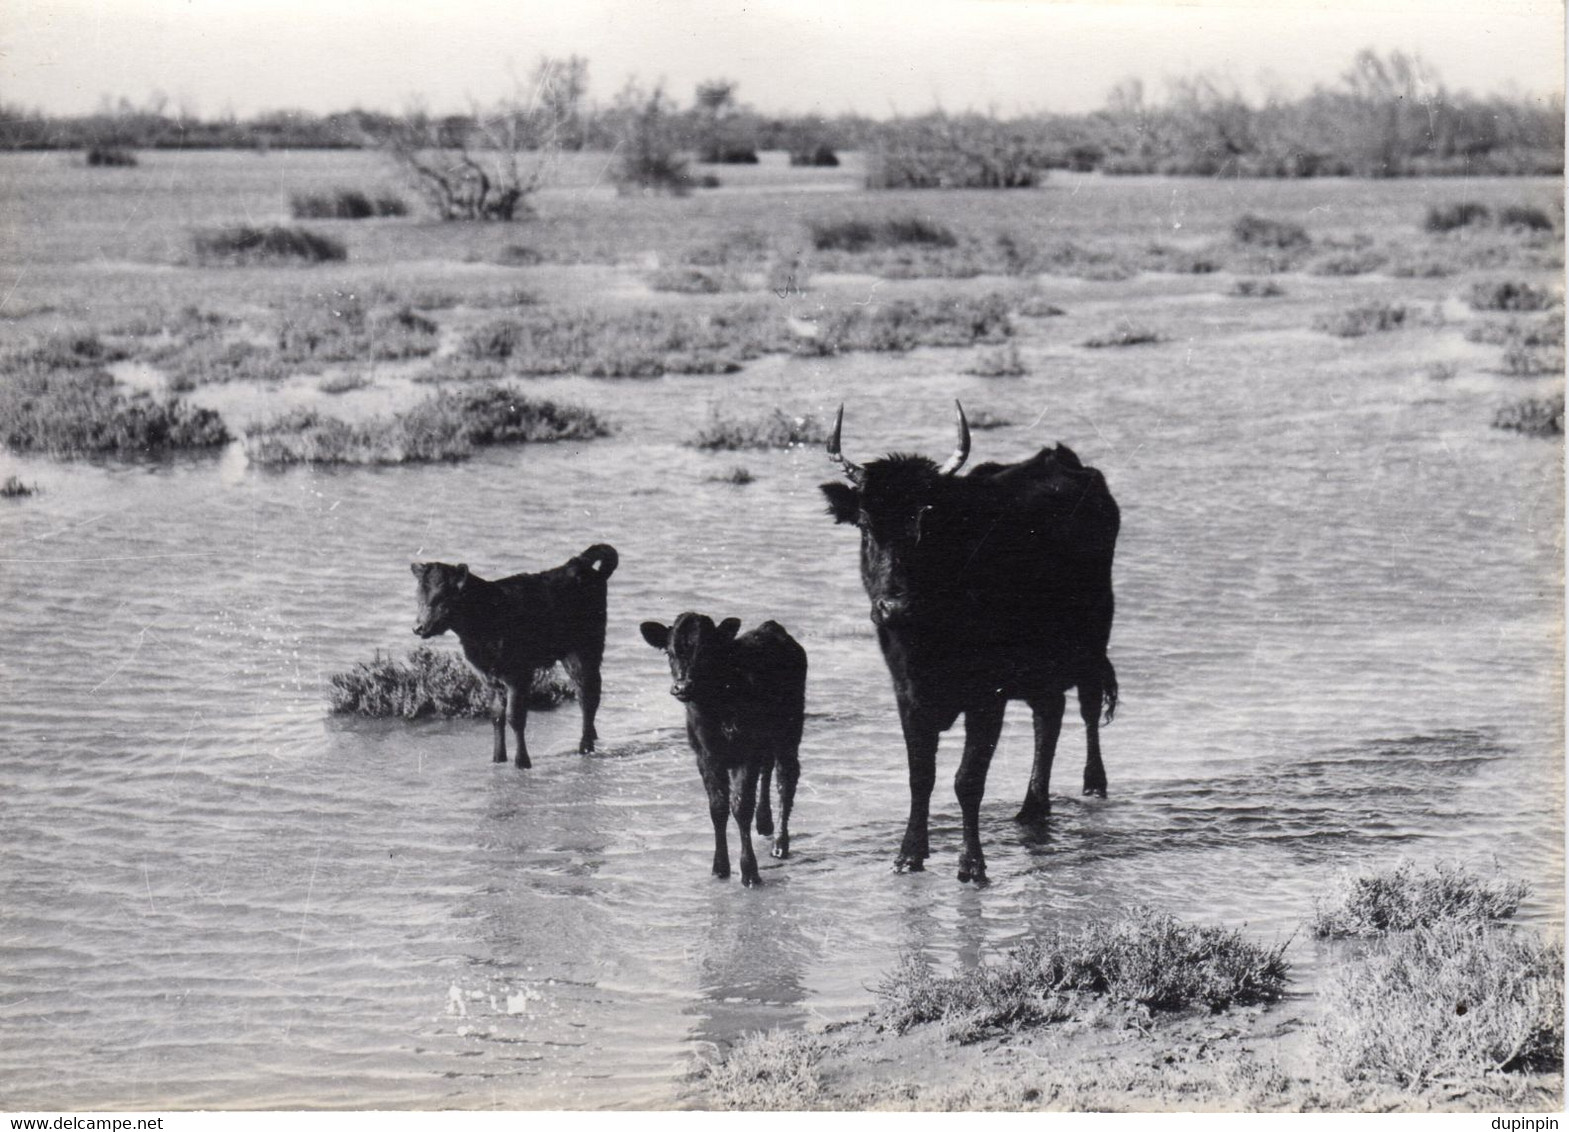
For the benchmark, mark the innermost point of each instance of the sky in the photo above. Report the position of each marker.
(876, 57)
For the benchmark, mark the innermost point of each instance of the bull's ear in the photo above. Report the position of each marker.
(461, 573)
(729, 627)
(417, 569)
(844, 501)
(655, 634)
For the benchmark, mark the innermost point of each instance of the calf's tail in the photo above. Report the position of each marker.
(601, 557)
(1108, 693)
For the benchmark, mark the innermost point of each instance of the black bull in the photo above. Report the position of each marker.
(985, 588)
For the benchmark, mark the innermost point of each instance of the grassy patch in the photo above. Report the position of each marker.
(430, 683)
(1256, 289)
(343, 383)
(772, 1072)
(346, 330)
(1523, 216)
(345, 204)
(1461, 214)
(1001, 362)
(242, 245)
(1126, 335)
(448, 426)
(1405, 897)
(80, 412)
(903, 324)
(111, 157)
(14, 488)
(1533, 416)
(689, 280)
(775, 430)
(1522, 361)
(737, 476)
(1517, 332)
(1453, 1001)
(1373, 318)
(1262, 232)
(1141, 958)
(858, 235)
(1510, 296)
(214, 360)
(644, 342)
(1345, 263)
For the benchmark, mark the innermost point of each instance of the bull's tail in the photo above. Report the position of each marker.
(1108, 689)
(601, 558)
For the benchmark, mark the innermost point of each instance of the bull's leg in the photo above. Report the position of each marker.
(1090, 693)
(789, 775)
(765, 808)
(982, 725)
(1048, 711)
(743, 799)
(584, 671)
(517, 719)
(498, 723)
(718, 787)
(920, 745)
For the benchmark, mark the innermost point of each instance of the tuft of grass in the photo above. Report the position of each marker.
(111, 157)
(80, 412)
(14, 488)
(1510, 296)
(775, 430)
(345, 204)
(243, 245)
(1522, 216)
(1517, 332)
(1035, 306)
(1257, 289)
(1523, 361)
(1354, 322)
(1262, 232)
(431, 683)
(857, 235)
(1450, 1001)
(345, 330)
(737, 476)
(448, 426)
(1533, 416)
(903, 324)
(1462, 214)
(1405, 897)
(1141, 958)
(1345, 263)
(343, 383)
(772, 1072)
(1001, 362)
(1125, 335)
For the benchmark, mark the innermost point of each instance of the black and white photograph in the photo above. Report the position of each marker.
(659, 556)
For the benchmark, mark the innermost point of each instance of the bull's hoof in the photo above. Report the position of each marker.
(1033, 811)
(765, 824)
(973, 872)
(781, 849)
(906, 864)
(751, 880)
(585, 748)
(499, 757)
(721, 873)
(1095, 791)
(522, 762)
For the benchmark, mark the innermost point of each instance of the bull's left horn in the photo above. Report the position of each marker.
(853, 470)
(961, 452)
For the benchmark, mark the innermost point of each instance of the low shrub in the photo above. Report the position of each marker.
(1521, 216)
(111, 157)
(1034, 305)
(1140, 958)
(1463, 214)
(1346, 263)
(937, 152)
(344, 330)
(79, 412)
(244, 245)
(904, 324)
(1510, 296)
(1533, 416)
(1521, 360)
(728, 155)
(777, 429)
(1257, 289)
(1517, 332)
(1126, 335)
(1262, 232)
(345, 204)
(1002, 362)
(215, 361)
(688, 280)
(737, 477)
(14, 488)
(1405, 897)
(857, 235)
(339, 383)
(64, 352)
(1354, 322)
(431, 683)
(820, 156)
(1450, 1001)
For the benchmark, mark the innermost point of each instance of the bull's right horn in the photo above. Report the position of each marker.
(961, 451)
(853, 470)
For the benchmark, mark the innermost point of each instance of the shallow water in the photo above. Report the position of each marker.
(1338, 641)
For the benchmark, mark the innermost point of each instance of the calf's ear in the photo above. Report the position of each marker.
(460, 573)
(417, 569)
(844, 502)
(656, 634)
(729, 627)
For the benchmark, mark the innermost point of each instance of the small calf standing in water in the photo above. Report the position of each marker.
(745, 702)
(514, 627)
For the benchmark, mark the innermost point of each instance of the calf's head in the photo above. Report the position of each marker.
(441, 587)
(893, 501)
(696, 649)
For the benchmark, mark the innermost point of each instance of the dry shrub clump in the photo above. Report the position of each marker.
(857, 235)
(345, 204)
(1001, 362)
(1141, 958)
(242, 245)
(1354, 322)
(1257, 289)
(904, 324)
(1127, 335)
(1510, 296)
(347, 331)
(1262, 232)
(1454, 1001)
(430, 683)
(14, 488)
(1405, 897)
(767, 1072)
(448, 426)
(1534, 416)
(1461, 214)
(775, 430)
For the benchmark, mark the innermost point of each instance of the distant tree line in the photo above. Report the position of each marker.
(1387, 116)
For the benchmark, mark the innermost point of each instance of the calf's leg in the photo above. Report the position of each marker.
(789, 775)
(1090, 693)
(982, 725)
(743, 798)
(1048, 711)
(517, 718)
(498, 723)
(584, 671)
(765, 809)
(718, 787)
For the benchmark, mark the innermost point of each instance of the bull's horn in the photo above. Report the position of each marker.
(854, 471)
(961, 452)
